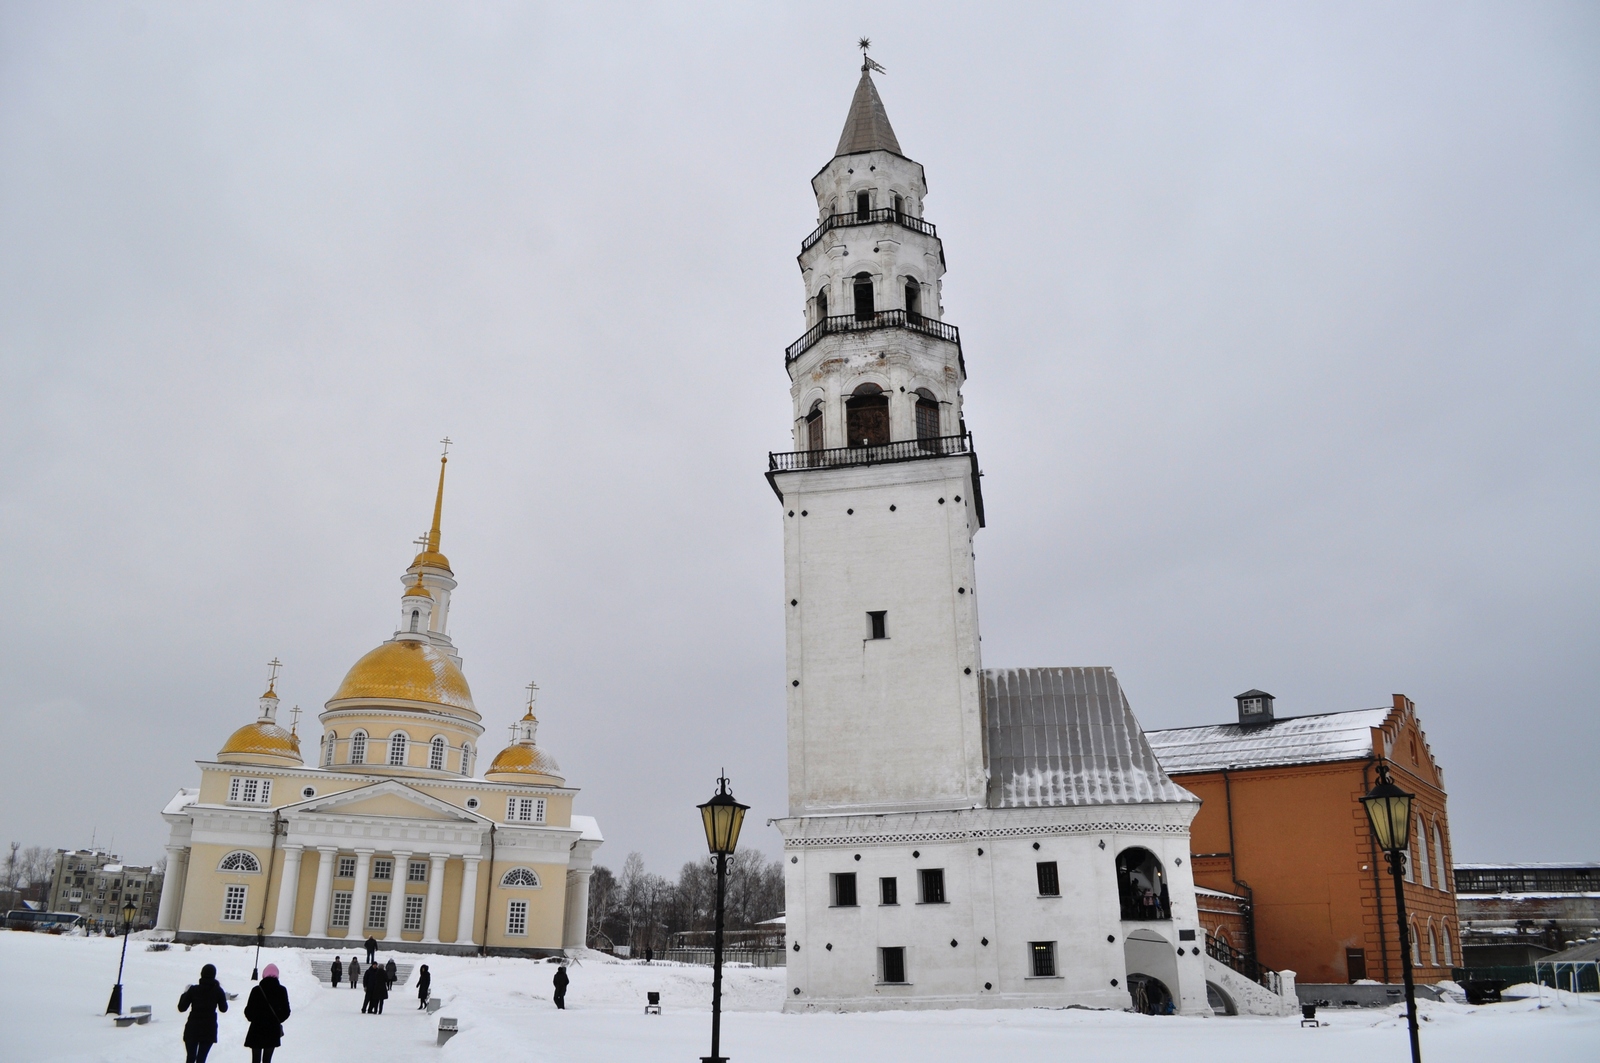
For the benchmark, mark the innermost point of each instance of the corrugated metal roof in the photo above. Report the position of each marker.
(1537, 866)
(1066, 736)
(1290, 740)
(867, 128)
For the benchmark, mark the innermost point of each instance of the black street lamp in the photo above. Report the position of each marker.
(114, 1005)
(723, 817)
(1389, 809)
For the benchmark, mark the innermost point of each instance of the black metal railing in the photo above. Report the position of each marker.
(882, 453)
(868, 217)
(1229, 956)
(909, 319)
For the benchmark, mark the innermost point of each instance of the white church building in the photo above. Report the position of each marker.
(956, 837)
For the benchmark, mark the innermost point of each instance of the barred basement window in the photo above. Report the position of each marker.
(417, 871)
(233, 904)
(383, 869)
(1049, 881)
(377, 910)
(932, 885)
(341, 909)
(347, 867)
(844, 890)
(436, 754)
(888, 891)
(413, 914)
(517, 919)
(1044, 958)
(892, 965)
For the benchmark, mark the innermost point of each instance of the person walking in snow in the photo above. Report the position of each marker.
(390, 973)
(267, 1010)
(424, 980)
(561, 987)
(202, 1001)
(372, 950)
(338, 973)
(355, 972)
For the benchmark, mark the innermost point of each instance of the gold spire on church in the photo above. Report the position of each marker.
(430, 555)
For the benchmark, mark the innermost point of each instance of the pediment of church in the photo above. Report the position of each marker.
(389, 799)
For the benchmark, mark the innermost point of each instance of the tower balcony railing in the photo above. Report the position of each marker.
(908, 319)
(872, 454)
(868, 217)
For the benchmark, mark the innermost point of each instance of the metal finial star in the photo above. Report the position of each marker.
(864, 43)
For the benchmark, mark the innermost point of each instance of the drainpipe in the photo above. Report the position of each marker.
(266, 888)
(1377, 882)
(1233, 872)
(488, 895)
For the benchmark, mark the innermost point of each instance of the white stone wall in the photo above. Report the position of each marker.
(882, 724)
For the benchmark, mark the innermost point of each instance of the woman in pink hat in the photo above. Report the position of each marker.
(267, 1009)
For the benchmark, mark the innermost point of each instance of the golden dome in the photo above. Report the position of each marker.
(522, 759)
(407, 671)
(432, 559)
(417, 590)
(263, 738)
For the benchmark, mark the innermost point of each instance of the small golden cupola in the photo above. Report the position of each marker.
(264, 741)
(523, 761)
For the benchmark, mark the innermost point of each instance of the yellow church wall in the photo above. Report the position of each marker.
(396, 805)
(450, 910)
(546, 908)
(214, 783)
(380, 728)
(307, 894)
(206, 887)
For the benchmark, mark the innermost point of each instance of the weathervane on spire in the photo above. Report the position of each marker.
(867, 62)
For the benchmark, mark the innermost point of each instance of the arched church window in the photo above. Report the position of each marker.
(397, 749)
(814, 427)
(1416, 946)
(863, 294)
(1422, 853)
(358, 748)
(1444, 868)
(241, 861)
(415, 615)
(466, 758)
(520, 876)
(867, 417)
(1433, 946)
(927, 418)
(822, 305)
(913, 300)
(1449, 954)
(436, 753)
(327, 756)
(1142, 885)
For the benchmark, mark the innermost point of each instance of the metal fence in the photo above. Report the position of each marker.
(750, 957)
(883, 453)
(867, 217)
(907, 319)
(1228, 956)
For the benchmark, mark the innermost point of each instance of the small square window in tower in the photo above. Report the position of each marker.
(1044, 958)
(932, 881)
(844, 890)
(866, 415)
(878, 624)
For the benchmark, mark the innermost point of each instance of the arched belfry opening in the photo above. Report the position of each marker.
(913, 300)
(867, 417)
(822, 304)
(863, 294)
(1142, 885)
(927, 418)
(814, 427)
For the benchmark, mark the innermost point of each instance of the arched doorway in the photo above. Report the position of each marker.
(867, 417)
(1221, 1003)
(1142, 885)
(1152, 973)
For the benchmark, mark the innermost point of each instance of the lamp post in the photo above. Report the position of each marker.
(1389, 810)
(114, 1005)
(723, 817)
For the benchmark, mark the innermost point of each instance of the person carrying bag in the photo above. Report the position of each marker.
(267, 1010)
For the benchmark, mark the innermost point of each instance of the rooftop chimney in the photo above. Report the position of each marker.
(1255, 707)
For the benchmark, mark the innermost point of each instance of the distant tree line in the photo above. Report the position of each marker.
(27, 874)
(645, 911)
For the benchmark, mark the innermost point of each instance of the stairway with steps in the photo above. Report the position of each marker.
(323, 969)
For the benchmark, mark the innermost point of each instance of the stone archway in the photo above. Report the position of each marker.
(1152, 965)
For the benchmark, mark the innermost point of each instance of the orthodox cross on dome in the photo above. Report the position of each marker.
(867, 62)
(446, 455)
(421, 541)
(533, 695)
(272, 675)
(294, 719)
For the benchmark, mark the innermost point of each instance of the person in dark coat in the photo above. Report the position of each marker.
(424, 980)
(377, 985)
(372, 950)
(267, 1010)
(202, 1001)
(355, 972)
(389, 972)
(338, 973)
(561, 987)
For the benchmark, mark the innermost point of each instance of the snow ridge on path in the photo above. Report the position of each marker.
(53, 992)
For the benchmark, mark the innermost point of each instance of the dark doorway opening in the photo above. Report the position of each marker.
(867, 417)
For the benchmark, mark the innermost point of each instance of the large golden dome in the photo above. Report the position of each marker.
(262, 738)
(407, 670)
(522, 760)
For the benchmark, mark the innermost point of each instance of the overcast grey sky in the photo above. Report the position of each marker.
(1282, 325)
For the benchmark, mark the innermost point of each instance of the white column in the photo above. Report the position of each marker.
(469, 899)
(288, 890)
(575, 932)
(358, 898)
(322, 899)
(430, 923)
(397, 896)
(172, 887)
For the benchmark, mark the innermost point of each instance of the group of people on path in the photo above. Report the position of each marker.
(266, 1011)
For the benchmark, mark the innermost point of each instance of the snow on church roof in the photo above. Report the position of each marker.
(1066, 736)
(1291, 740)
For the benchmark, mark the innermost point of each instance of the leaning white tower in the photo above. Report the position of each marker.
(881, 500)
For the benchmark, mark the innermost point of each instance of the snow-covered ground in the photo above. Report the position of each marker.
(53, 991)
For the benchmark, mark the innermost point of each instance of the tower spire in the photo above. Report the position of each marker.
(867, 128)
(430, 554)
